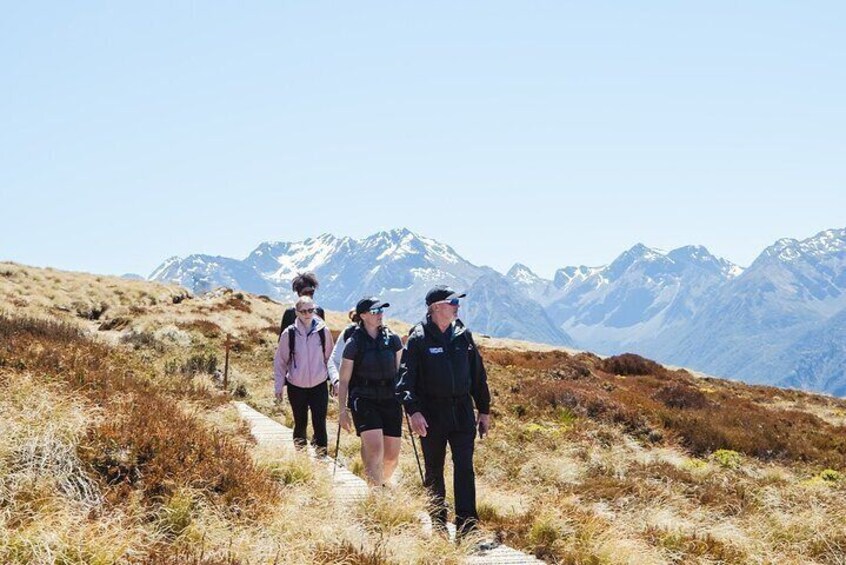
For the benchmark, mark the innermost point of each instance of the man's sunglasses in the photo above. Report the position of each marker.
(376, 311)
(306, 311)
(452, 302)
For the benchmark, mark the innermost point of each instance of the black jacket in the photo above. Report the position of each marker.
(438, 368)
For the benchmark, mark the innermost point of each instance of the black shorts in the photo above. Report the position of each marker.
(369, 414)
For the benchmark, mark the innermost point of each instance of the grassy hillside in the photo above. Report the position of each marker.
(117, 446)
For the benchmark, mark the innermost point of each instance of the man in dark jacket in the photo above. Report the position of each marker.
(441, 376)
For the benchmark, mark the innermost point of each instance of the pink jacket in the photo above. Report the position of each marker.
(308, 367)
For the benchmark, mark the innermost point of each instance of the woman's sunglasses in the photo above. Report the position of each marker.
(306, 311)
(376, 311)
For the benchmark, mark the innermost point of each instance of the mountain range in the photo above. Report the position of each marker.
(780, 321)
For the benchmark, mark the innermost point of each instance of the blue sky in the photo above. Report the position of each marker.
(551, 133)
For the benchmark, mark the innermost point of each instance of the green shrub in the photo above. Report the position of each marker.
(831, 476)
(727, 458)
(199, 363)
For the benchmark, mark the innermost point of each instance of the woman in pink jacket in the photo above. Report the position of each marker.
(300, 364)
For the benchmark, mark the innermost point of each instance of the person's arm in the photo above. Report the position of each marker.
(280, 366)
(330, 344)
(327, 357)
(479, 388)
(343, 392)
(396, 347)
(407, 384)
(335, 359)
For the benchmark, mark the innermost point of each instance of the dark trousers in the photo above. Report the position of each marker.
(463, 480)
(302, 400)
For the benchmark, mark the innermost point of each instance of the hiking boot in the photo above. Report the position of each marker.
(465, 527)
(485, 545)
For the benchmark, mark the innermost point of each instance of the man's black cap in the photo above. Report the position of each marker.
(441, 292)
(366, 304)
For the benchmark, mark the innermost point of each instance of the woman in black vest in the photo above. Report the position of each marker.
(368, 376)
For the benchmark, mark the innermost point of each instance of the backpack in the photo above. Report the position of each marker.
(385, 337)
(348, 331)
(292, 340)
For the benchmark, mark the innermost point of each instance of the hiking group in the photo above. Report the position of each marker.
(438, 378)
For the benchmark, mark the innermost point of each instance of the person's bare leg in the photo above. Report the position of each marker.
(372, 455)
(390, 457)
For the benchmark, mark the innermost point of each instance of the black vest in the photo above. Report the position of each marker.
(375, 366)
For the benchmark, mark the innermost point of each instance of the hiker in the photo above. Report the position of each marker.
(368, 379)
(441, 377)
(338, 351)
(301, 364)
(304, 284)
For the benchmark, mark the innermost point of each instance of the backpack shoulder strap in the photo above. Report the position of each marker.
(348, 331)
(322, 334)
(292, 340)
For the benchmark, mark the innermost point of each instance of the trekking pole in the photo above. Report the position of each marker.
(337, 447)
(414, 445)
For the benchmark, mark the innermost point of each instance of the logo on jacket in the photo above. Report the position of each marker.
(434, 350)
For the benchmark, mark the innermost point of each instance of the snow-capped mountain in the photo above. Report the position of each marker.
(791, 289)
(642, 293)
(506, 312)
(398, 265)
(202, 273)
(778, 321)
(526, 281)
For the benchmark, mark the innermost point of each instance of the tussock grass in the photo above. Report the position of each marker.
(589, 461)
(388, 510)
(632, 473)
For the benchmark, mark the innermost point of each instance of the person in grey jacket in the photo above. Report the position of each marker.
(338, 350)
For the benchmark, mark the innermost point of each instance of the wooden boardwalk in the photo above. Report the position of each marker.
(349, 488)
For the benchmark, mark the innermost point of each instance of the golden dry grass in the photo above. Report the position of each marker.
(590, 460)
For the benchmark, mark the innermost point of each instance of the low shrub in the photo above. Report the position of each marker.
(831, 476)
(727, 458)
(200, 363)
(682, 396)
(630, 364)
(207, 328)
(90, 311)
(233, 303)
(148, 444)
(141, 339)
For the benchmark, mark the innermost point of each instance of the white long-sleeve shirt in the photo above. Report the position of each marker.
(335, 359)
